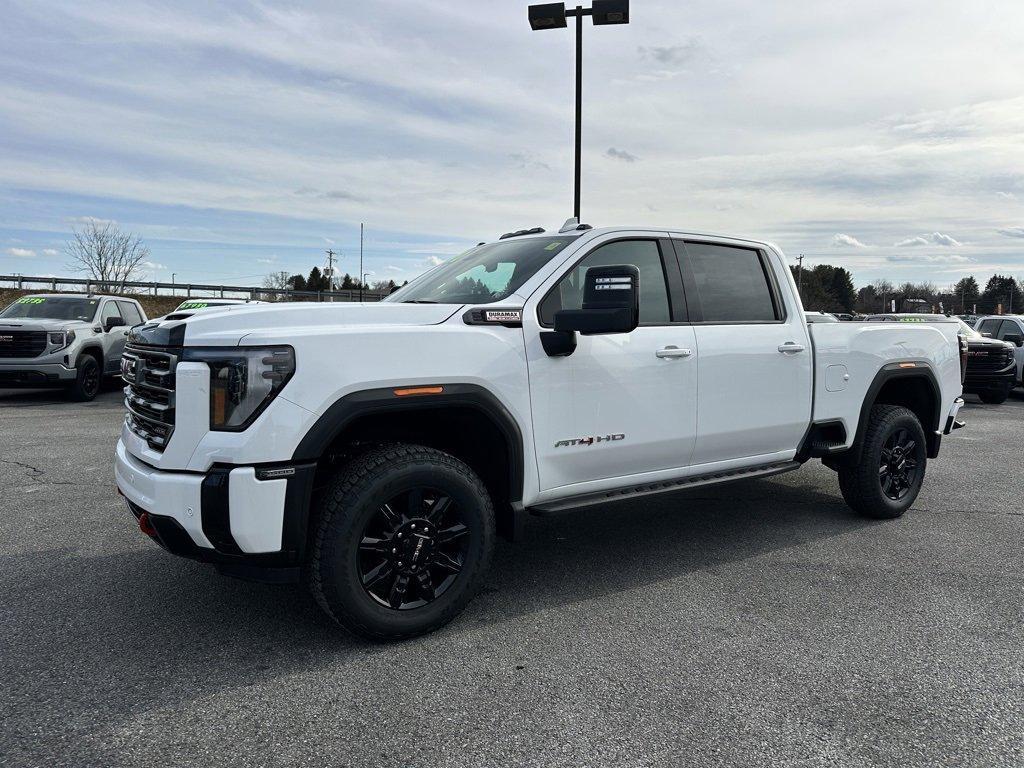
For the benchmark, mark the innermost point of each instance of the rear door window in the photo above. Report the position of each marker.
(130, 313)
(990, 326)
(730, 284)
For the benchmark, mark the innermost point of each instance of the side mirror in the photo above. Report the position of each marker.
(611, 302)
(1014, 339)
(112, 323)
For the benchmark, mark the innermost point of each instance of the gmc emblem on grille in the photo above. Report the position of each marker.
(6, 339)
(127, 368)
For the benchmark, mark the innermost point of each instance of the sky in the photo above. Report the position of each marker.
(242, 138)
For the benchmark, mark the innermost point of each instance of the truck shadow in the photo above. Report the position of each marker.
(171, 631)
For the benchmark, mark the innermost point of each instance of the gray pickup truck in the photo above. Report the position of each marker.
(65, 340)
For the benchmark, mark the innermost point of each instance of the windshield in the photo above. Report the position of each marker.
(483, 274)
(53, 308)
(965, 330)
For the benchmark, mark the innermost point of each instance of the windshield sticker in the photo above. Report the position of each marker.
(912, 320)
(553, 246)
(194, 305)
(31, 300)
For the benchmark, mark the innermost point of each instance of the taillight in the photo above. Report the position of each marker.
(963, 358)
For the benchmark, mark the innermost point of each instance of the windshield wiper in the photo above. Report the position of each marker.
(420, 301)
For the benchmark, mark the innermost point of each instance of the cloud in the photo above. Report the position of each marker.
(87, 220)
(678, 56)
(393, 268)
(267, 260)
(20, 253)
(1011, 232)
(50, 251)
(527, 162)
(152, 265)
(621, 154)
(1006, 195)
(931, 259)
(840, 240)
(331, 194)
(433, 261)
(935, 238)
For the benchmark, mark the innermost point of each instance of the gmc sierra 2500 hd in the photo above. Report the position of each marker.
(377, 449)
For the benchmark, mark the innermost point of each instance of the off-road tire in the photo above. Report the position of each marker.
(860, 483)
(353, 497)
(88, 381)
(995, 396)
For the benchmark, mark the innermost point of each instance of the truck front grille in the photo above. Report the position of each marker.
(149, 396)
(986, 358)
(22, 343)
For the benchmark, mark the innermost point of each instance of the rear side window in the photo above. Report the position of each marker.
(1008, 328)
(731, 284)
(643, 254)
(130, 313)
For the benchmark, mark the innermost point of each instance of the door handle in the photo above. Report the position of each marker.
(671, 351)
(790, 348)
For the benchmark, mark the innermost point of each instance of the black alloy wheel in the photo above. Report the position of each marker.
(897, 470)
(413, 549)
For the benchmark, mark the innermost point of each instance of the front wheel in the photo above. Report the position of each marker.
(87, 380)
(404, 538)
(995, 396)
(888, 477)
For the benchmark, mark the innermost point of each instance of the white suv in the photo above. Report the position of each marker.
(1008, 328)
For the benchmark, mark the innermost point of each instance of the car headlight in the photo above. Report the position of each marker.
(61, 339)
(243, 381)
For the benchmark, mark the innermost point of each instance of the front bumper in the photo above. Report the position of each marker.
(25, 373)
(244, 519)
(988, 381)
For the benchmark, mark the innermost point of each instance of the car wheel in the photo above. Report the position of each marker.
(994, 396)
(405, 535)
(87, 380)
(886, 480)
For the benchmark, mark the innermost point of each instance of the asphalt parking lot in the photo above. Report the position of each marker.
(759, 623)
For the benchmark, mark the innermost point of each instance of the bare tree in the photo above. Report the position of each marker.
(106, 253)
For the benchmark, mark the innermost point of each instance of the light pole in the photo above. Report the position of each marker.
(554, 16)
(363, 282)
(173, 293)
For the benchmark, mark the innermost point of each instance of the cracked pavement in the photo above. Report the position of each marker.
(759, 623)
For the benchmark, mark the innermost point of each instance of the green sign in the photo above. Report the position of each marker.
(194, 305)
(31, 300)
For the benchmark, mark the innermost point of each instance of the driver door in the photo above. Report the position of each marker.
(114, 339)
(622, 404)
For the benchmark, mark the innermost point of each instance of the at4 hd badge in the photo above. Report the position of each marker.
(592, 440)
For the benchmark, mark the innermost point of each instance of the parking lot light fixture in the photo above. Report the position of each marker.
(554, 16)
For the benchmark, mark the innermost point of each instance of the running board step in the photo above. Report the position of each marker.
(648, 489)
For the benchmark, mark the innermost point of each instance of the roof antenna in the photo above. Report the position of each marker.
(570, 225)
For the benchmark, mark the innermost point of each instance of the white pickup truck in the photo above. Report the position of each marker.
(377, 449)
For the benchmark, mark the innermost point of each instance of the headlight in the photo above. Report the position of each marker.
(61, 339)
(243, 381)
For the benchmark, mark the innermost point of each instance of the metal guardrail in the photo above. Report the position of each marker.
(176, 289)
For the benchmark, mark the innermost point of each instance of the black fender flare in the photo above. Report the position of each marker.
(890, 372)
(355, 405)
(96, 350)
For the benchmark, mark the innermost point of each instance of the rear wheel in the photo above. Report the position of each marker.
(886, 481)
(87, 380)
(405, 536)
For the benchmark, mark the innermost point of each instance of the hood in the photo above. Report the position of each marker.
(227, 326)
(40, 324)
(987, 344)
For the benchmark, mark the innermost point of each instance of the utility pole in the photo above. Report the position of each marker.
(330, 270)
(360, 260)
(800, 276)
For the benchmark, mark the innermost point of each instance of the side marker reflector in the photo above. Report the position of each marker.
(908, 365)
(419, 391)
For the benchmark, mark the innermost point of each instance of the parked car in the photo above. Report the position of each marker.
(820, 317)
(991, 370)
(189, 307)
(65, 340)
(1010, 329)
(378, 448)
